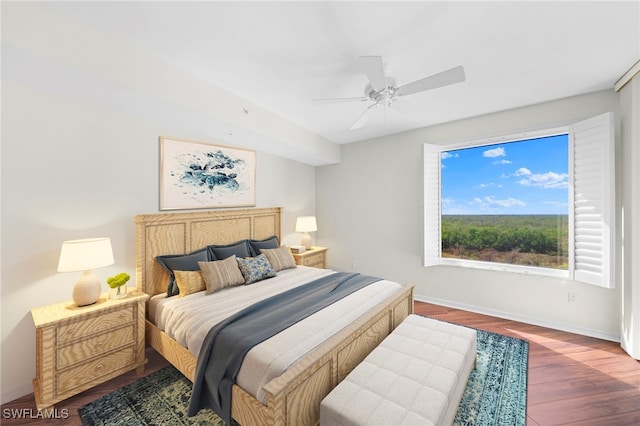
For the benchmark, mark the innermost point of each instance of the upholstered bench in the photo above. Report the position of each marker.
(416, 376)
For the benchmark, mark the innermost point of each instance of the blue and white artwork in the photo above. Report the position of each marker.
(198, 175)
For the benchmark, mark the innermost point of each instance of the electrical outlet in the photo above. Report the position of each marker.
(573, 297)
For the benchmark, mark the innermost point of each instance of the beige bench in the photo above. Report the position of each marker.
(416, 376)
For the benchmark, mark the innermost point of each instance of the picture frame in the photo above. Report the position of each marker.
(198, 175)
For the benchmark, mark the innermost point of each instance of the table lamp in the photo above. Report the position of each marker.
(306, 224)
(85, 255)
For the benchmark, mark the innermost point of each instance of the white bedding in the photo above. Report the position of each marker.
(188, 319)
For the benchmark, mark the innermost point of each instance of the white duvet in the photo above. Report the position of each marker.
(188, 319)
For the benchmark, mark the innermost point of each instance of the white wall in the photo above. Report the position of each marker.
(369, 210)
(80, 157)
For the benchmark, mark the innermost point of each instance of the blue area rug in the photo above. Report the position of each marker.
(496, 393)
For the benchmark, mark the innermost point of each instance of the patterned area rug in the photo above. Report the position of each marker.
(496, 393)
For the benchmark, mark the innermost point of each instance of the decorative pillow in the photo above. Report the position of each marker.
(220, 252)
(181, 262)
(189, 282)
(255, 269)
(280, 258)
(220, 274)
(268, 243)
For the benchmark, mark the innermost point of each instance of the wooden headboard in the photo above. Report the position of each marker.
(182, 233)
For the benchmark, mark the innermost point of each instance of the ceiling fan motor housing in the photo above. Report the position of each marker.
(384, 96)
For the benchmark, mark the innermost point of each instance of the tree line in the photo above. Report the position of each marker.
(543, 234)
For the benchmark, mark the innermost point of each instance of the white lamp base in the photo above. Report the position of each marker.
(87, 289)
(306, 241)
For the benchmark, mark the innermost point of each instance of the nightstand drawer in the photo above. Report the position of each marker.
(93, 325)
(315, 260)
(88, 348)
(92, 370)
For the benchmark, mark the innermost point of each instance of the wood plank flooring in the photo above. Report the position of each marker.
(573, 379)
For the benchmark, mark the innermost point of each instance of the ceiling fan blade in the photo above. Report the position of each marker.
(445, 78)
(336, 100)
(364, 117)
(373, 67)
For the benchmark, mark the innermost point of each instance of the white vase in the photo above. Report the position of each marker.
(118, 292)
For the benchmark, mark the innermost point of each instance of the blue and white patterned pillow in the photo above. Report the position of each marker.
(255, 269)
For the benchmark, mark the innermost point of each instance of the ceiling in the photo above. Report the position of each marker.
(282, 55)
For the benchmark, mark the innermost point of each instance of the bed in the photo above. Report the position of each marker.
(293, 397)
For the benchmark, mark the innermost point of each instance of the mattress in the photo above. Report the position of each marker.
(188, 320)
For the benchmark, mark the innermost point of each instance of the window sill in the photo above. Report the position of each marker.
(503, 267)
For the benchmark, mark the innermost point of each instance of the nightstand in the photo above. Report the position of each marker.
(80, 347)
(315, 257)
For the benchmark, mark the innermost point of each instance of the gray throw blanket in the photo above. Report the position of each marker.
(227, 343)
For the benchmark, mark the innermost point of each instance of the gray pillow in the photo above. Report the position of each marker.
(181, 262)
(268, 243)
(220, 252)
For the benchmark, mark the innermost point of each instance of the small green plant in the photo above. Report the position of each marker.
(118, 280)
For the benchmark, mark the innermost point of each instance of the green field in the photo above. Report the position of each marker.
(532, 240)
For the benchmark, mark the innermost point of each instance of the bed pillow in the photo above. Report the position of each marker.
(220, 252)
(268, 243)
(220, 274)
(280, 258)
(189, 282)
(255, 269)
(181, 262)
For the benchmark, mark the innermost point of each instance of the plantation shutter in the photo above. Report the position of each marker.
(431, 173)
(593, 200)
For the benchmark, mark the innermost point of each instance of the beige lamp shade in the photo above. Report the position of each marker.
(306, 224)
(85, 255)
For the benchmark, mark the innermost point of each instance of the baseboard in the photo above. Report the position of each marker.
(520, 318)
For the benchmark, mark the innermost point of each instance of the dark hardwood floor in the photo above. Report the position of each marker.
(573, 379)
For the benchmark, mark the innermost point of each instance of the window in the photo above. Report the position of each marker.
(559, 222)
(507, 202)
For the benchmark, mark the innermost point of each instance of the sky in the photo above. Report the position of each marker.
(524, 177)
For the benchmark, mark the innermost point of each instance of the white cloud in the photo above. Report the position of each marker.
(444, 155)
(546, 180)
(487, 185)
(491, 202)
(523, 171)
(499, 162)
(495, 152)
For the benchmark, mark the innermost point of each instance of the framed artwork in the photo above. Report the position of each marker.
(195, 175)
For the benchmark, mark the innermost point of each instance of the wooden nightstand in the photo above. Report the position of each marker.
(80, 347)
(315, 257)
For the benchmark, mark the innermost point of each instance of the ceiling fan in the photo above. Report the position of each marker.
(382, 89)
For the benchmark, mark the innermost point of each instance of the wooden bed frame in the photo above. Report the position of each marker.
(294, 397)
